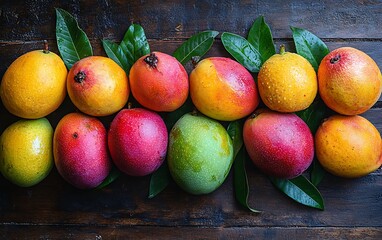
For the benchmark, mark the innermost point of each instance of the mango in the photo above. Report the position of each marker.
(200, 153)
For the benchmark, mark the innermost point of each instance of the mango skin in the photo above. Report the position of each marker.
(348, 146)
(161, 88)
(287, 82)
(26, 155)
(137, 141)
(98, 86)
(349, 81)
(222, 89)
(279, 144)
(80, 150)
(34, 85)
(200, 154)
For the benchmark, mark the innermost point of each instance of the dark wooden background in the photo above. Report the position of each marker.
(55, 210)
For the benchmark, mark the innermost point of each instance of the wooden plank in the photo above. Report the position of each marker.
(55, 210)
(180, 19)
(125, 203)
(168, 233)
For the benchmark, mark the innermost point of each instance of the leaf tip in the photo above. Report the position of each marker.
(293, 28)
(214, 33)
(151, 196)
(255, 211)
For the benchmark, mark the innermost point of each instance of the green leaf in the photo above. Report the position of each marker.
(159, 180)
(197, 45)
(309, 46)
(317, 172)
(114, 52)
(72, 41)
(134, 44)
(314, 114)
(301, 190)
(240, 180)
(242, 51)
(260, 37)
(172, 117)
(113, 175)
(235, 131)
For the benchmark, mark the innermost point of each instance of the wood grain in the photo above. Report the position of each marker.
(125, 202)
(146, 232)
(55, 210)
(181, 19)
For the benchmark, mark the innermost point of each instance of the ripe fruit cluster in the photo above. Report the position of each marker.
(281, 144)
(350, 82)
(83, 150)
(198, 148)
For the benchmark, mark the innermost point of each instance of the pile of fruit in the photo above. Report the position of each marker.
(164, 118)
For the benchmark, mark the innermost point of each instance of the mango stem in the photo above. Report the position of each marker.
(282, 49)
(46, 47)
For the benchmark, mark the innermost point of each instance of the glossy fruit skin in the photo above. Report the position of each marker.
(200, 154)
(348, 146)
(34, 85)
(279, 144)
(349, 81)
(80, 150)
(98, 86)
(223, 89)
(26, 155)
(159, 82)
(287, 82)
(137, 141)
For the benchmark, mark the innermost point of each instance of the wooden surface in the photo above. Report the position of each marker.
(55, 210)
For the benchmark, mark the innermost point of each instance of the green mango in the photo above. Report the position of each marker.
(200, 153)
